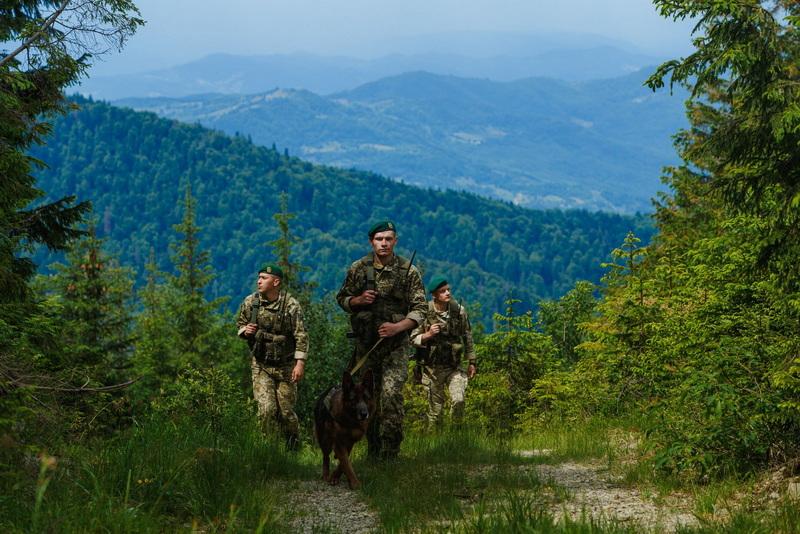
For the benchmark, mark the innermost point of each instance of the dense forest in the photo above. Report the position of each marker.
(130, 410)
(135, 168)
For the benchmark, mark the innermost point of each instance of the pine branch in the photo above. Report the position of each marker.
(40, 32)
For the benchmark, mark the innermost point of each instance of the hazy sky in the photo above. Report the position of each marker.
(182, 30)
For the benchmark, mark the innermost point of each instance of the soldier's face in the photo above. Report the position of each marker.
(383, 243)
(442, 294)
(266, 282)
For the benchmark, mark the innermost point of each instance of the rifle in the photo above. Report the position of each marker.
(257, 347)
(405, 280)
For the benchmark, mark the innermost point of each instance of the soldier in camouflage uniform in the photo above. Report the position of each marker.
(271, 321)
(384, 296)
(442, 340)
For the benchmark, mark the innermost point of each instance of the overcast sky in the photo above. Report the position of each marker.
(178, 31)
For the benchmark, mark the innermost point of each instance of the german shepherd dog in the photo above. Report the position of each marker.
(341, 416)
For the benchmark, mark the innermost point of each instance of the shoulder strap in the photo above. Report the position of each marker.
(454, 317)
(403, 263)
(282, 310)
(370, 277)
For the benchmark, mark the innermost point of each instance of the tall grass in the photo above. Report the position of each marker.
(165, 475)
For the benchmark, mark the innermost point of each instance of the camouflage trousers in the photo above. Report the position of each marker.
(437, 379)
(275, 395)
(390, 372)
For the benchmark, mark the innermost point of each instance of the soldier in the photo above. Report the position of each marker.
(384, 296)
(271, 321)
(442, 340)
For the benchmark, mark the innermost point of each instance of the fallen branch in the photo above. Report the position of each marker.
(83, 388)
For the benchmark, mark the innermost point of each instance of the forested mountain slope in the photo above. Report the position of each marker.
(537, 142)
(135, 166)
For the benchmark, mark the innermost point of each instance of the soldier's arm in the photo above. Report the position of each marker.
(348, 290)
(300, 333)
(416, 334)
(417, 304)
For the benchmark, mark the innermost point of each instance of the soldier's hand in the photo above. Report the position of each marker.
(250, 329)
(364, 299)
(433, 331)
(389, 329)
(471, 370)
(298, 371)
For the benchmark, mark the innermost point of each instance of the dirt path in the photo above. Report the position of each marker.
(591, 489)
(594, 492)
(332, 509)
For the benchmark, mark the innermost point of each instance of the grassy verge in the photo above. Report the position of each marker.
(161, 476)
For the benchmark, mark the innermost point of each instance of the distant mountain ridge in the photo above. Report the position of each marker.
(537, 142)
(236, 74)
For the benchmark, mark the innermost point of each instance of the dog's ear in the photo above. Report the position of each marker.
(347, 380)
(367, 381)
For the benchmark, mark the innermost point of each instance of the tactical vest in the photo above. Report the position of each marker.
(392, 302)
(447, 347)
(274, 341)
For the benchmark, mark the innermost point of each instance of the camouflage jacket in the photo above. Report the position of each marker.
(454, 339)
(400, 295)
(281, 329)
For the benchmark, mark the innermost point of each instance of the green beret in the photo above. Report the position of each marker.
(273, 269)
(436, 282)
(382, 227)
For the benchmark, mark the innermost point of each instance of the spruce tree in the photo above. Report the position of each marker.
(743, 78)
(95, 297)
(282, 248)
(50, 45)
(193, 316)
(155, 358)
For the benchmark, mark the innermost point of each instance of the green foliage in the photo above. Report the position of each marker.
(192, 316)
(94, 295)
(178, 327)
(52, 47)
(45, 49)
(694, 335)
(282, 248)
(206, 396)
(743, 75)
(563, 319)
(490, 403)
(510, 361)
